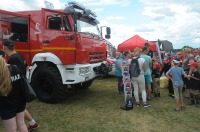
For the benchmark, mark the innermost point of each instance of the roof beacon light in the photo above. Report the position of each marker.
(48, 5)
(85, 11)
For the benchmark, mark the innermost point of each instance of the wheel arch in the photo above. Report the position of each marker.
(46, 57)
(41, 59)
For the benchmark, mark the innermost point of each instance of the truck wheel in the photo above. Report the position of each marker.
(84, 85)
(47, 84)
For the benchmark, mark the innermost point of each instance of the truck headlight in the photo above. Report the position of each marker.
(84, 70)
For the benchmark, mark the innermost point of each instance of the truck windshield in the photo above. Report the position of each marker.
(88, 28)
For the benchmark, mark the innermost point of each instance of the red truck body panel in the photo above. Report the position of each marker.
(79, 50)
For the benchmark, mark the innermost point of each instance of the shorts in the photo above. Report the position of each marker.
(148, 79)
(8, 113)
(187, 83)
(178, 91)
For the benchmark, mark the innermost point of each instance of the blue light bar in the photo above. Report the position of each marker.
(79, 6)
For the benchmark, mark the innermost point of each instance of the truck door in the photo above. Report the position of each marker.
(58, 36)
(15, 26)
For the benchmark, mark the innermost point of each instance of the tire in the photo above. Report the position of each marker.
(84, 85)
(47, 84)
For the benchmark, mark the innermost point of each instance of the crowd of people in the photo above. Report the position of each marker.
(12, 102)
(182, 69)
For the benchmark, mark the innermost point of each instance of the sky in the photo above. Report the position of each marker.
(177, 21)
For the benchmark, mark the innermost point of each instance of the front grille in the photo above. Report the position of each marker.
(96, 56)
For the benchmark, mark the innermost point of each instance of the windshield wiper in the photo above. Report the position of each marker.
(96, 35)
(88, 33)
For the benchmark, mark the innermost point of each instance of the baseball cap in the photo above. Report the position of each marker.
(194, 64)
(8, 43)
(196, 51)
(180, 53)
(176, 61)
(173, 57)
(157, 65)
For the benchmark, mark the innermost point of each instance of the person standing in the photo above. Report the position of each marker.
(18, 60)
(181, 57)
(12, 101)
(189, 58)
(194, 82)
(147, 73)
(196, 55)
(150, 52)
(177, 81)
(156, 78)
(139, 81)
(118, 72)
(198, 60)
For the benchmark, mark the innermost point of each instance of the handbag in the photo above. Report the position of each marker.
(28, 92)
(27, 89)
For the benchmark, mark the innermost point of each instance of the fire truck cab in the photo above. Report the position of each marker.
(63, 47)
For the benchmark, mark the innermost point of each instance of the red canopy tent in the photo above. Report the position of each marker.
(135, 41)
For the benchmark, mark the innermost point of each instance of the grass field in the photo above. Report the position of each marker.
(97, 110)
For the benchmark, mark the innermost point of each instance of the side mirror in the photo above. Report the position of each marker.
(107, 36)
(108, 30)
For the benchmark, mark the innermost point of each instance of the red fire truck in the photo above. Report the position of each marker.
(63, 47)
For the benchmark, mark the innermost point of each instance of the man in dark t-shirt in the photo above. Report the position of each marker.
(18, 60)
(194, 82)
(14, 57)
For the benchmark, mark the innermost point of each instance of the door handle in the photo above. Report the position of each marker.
(46, 41)
(70, 38)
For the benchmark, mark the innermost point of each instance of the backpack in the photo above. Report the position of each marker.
(134, 67)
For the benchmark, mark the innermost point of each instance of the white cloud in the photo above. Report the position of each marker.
(197, 40)
(105, 2)
(158, 12)
(119, 33)
(115, 18)
(176, 21)
(99, 10)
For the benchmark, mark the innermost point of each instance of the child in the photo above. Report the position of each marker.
(177, 81)
(166, 67)
(156, 78)
(194, 82)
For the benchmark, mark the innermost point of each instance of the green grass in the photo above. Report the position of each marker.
(97, 110)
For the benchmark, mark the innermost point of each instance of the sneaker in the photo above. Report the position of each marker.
(138, 104)
(32, 127)
(182, 108)
(176, 110)
(146, 105)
